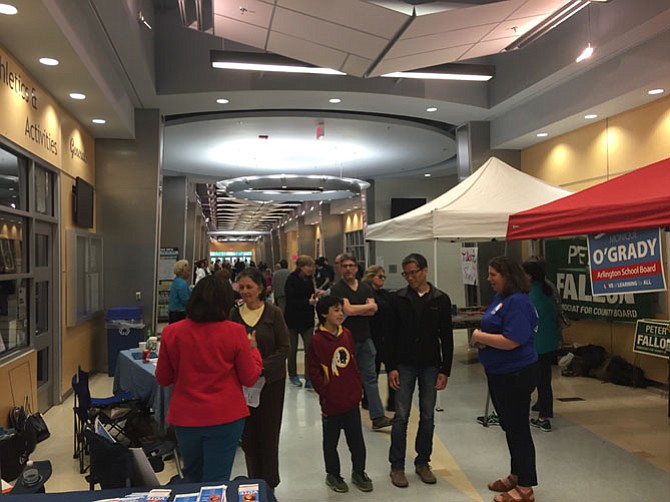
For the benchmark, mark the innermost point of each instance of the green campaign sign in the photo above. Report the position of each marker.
(652, 337)
(568, 267)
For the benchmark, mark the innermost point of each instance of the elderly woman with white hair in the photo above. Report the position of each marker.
(179, 291)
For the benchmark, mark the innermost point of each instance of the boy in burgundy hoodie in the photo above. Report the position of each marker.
(334, 375)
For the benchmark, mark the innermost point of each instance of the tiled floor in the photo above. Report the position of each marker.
(614, 445)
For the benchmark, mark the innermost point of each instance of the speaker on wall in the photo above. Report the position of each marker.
(402, 206)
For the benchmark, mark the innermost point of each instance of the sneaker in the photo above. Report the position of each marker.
(426, 475)
(491, 419)
(295, 380)
(308, 385)
(398, 478)
(541, 423)
(381, 422)
(362, 481)
(336, 483)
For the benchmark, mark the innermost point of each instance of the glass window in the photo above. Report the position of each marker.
(44, 198)
(42, 307)
(13, 315)
(12, 180)
(41, 250)
(12, 246)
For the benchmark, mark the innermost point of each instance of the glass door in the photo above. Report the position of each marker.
(45, 305)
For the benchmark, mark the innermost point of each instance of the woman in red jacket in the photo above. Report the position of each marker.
(208, 359)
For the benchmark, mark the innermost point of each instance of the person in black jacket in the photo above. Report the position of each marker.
(419, 347)
(299, 314)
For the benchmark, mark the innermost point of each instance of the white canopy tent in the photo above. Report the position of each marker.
(476, 209)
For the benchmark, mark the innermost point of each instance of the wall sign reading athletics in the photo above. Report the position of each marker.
(626, 262)
(568, 267)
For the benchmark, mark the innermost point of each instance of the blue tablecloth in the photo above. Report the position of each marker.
(266, 494)
(139, 378)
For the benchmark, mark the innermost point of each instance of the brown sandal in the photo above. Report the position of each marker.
(502, 485)
(506, 497)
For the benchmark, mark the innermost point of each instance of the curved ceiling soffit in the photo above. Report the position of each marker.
(393, 146)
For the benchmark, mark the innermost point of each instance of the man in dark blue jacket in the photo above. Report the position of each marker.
(419, 347)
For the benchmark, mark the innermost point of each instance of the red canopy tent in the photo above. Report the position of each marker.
(638, 199)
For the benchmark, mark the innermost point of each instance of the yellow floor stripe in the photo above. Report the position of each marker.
(443, 464)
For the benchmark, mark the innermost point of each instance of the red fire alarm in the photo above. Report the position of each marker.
(320, 131)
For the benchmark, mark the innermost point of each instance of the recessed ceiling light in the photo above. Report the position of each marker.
(8, 9)
(77, 95)
(49, 61)
(99, 121)
(590, 116)
(431, 109)
(427, 175)
(334, 100)
(655, 91)
(223, 101)
(542, 134)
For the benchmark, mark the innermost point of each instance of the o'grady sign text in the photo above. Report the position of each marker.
(626, 262)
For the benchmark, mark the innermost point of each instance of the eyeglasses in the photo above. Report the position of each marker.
(349, 265)
(411, 273)
(381, 276)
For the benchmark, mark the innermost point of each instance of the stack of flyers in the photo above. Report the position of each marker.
(159, 495)
(186, 497)
(156, 495)
(248, 493)
(212, 494)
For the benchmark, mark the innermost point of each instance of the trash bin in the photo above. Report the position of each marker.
(125, 329)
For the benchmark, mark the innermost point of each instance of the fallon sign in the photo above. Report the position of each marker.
(652, 337)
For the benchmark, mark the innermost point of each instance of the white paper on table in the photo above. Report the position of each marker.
(253, 394)
(143, 474)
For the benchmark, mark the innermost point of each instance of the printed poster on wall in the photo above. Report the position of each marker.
(626, 262)
(652, 337)
(469, 265)
(568, 268)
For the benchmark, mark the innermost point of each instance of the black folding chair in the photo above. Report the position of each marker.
(113, 412)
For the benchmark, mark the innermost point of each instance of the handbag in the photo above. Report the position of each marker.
(14, 453)
(36, 422)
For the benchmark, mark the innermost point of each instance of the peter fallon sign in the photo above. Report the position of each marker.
(652, 338)
(626, 262)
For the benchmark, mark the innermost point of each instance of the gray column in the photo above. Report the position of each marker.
(127, 186)
(306, 238)
(473, 147)
(332, 233)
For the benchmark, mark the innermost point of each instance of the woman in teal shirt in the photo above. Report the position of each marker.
(547, 340)
(179, 292)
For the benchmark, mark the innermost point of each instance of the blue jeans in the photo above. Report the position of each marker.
(409, 375)
(365, 358)
(208, 452)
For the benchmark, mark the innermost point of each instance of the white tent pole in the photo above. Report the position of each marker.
(435, 261)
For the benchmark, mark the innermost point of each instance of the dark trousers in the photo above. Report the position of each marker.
(176, 315)
(208, 452)
(260, 439)
(350, 422)
(510, 394)
(306, 334)
(545, 394)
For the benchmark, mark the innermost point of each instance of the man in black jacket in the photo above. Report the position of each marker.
(419, 347)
